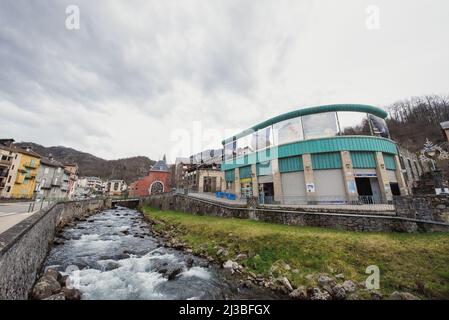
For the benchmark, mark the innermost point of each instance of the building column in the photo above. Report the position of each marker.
(382, 177)
(308, 176)
(348, 175)
(222, 182)
(400, 177)
(200, 181)
(237, 186)
(277, 183)
(254, 180)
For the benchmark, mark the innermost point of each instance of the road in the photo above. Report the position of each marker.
(13, 213)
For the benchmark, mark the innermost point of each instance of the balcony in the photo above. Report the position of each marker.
(20, 178)
(31, 164)
(5, 163)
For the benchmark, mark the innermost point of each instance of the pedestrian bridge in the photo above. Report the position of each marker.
(132, 203)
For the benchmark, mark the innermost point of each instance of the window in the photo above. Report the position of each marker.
(264, 138)
(379, 126)
(46, 170)
(320, 125)
(247, 144)
(9, 179)
(411, 168)
(8, 189)
(353, 123)
(417, 168)
(229, 150)
(288, 131)
(157, 187)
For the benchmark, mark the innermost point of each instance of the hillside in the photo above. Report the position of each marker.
(128, 169)
(412, 121)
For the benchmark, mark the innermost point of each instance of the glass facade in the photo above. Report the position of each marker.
(320, 125)
(288, 131)
(379, 126)
(313, 126)
(353, 124)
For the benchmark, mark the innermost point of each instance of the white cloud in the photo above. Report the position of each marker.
(137, 71)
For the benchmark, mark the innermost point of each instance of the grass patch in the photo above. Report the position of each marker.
(417, 263)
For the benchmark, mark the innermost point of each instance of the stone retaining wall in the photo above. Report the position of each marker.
(23, 247)
(424, 207)
(289, 216)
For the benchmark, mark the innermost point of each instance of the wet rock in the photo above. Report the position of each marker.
(189, 262)
(45, 287)
(325, 281)
(111, 265)
(51, 272)
(204, 264)
(64, 280)
(299, 293)
(172, 272)
(376, 295)
(160, 266)
(58, 242)
(71, 294)
(402, 296)
(317, 294)
(349, 286)
(247, 284)
(58, 296)
(285, 284)
(338, 292)
(231, 266)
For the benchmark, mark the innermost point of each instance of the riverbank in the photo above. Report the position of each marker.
(269, 254)
(115, 255)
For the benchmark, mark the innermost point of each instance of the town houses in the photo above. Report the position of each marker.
(25, 174)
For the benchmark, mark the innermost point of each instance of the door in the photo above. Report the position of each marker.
(377, 195)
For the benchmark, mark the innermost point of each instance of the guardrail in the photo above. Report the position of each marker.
(40, 203)
(335, 201)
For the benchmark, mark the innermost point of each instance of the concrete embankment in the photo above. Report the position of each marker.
(23, 247)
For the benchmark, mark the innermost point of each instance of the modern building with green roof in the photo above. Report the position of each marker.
(326, 154)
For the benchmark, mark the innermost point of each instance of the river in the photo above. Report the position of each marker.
(113, 255)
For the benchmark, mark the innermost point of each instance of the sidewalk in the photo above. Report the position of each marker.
(15, 212)
(9, 220)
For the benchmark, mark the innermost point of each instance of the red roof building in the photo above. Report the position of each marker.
(157, 181)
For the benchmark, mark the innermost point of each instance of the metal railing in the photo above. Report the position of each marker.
(323, 200)
(41, 203)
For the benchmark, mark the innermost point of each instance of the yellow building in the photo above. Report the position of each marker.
(25, 164)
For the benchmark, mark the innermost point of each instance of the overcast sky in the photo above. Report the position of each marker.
(154, 77)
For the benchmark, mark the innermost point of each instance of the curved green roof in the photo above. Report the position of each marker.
(311, 110)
